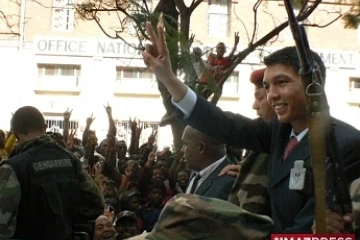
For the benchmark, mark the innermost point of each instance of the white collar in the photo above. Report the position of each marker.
(300, 135)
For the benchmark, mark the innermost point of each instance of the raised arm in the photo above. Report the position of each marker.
(156, 57)
(229, 128)
(236, 42)
(67, 116)
(86, 133)
(112, 127)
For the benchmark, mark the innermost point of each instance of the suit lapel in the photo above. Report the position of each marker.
(281, 169)
(208, 182)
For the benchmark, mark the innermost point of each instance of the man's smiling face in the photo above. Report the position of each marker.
(286, 95)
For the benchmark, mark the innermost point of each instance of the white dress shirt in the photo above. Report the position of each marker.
(300, 135)
(205, 173)
(187, 104)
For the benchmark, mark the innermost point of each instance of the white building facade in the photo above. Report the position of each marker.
(61, 64)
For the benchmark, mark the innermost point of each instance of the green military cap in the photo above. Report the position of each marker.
(188, 216)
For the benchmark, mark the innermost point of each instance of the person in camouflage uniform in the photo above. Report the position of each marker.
(90, 205)
(189, 216)
(250, 188)
(355, 195)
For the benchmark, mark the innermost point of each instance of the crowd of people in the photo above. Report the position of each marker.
(57, 186)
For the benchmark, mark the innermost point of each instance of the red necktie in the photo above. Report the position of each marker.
(290, 146)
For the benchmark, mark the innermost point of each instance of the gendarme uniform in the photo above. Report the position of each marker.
(43, 192)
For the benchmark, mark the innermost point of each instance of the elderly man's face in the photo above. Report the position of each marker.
(104, 229)
(191, 150)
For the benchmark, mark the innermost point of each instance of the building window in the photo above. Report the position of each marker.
(219, 18)
(138, 10)
(56, 125)
(124, 130)
(135, 79)
(354, 83)
(59, 75)
(231, 85)
(63, 14)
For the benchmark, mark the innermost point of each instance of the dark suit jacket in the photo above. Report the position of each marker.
(214, 186)
(290, 211)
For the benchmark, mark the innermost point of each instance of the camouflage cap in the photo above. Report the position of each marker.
(188, 216)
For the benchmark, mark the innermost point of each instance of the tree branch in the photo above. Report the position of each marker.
(255, 8)
(244, 53)
(195, 5)
(242, 22)
(304, 6)
(10, 33)
(324, 25)
(8, 25)
(180, 4)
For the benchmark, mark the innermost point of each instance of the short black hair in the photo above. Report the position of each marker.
(288, 56)
(27, 119)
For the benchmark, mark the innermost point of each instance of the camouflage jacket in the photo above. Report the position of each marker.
(355, 195)
(250, 188)
(190, 216)
(91, 202)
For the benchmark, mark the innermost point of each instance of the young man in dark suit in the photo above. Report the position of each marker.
(290, 211)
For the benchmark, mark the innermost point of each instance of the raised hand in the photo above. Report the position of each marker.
(67, 114)
(90, 120)
(237, 38)
(110, 213)
(70, 142)
(133, 124)
(108, 109)
(156, 55)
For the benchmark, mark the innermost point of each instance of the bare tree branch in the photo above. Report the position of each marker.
(242, 22)
(304, 6)
(195, 5)
(251, 47)
(10, 33)
(255, 8)
(324, 25)
(7, 24)
(146, 6)
(276, 38)
(180, 4)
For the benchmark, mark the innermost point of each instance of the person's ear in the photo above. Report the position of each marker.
(202, 147)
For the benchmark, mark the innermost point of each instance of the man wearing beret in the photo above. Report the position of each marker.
(250, 188)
